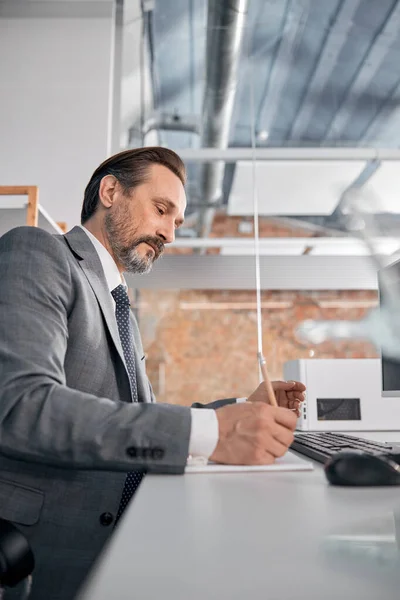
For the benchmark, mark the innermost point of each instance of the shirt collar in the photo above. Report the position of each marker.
(111, 272)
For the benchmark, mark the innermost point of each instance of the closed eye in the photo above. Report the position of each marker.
(167, 207)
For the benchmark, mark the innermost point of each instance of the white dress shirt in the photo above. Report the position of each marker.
(204, 423)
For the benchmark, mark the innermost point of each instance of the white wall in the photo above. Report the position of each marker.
(55, 100)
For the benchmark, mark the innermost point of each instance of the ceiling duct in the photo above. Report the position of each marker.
(225, 26)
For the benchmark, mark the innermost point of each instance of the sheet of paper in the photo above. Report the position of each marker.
(289, 462)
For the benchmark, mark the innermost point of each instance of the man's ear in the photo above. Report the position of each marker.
(107, 188)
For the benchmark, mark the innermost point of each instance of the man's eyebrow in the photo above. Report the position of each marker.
(171, 205)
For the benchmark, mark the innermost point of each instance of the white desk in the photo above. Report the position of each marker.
(252, 536)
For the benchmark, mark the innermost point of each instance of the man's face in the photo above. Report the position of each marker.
(139, 224)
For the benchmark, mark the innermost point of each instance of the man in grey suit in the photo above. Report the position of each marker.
(77, 412)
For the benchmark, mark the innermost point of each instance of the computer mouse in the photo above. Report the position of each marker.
(359, 468)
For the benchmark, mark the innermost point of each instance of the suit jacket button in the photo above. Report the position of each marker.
(106, 519)
(158, 453)
(132, 452)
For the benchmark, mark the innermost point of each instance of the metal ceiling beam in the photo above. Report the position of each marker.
(274, 244)
(387, 37)
(333, 44)
(290, 39)
(387, 222)
(225, 26)
(235, 154)
(218, 272)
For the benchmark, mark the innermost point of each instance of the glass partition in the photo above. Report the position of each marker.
(278, 111)
(202, 344)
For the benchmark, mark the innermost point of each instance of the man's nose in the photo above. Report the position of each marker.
(167, 233)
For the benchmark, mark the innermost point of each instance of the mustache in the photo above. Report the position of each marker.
(157, 244)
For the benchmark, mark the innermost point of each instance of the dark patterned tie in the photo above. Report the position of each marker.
(122, 314)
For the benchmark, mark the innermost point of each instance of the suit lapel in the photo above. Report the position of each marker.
(93, 270)
(91, 266)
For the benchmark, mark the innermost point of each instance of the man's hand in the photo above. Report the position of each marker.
(289, 394)
(253, 433)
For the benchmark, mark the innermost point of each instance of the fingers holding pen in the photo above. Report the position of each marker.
(253, 433)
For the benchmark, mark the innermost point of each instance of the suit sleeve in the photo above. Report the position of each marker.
(42, 419)
(216, 404)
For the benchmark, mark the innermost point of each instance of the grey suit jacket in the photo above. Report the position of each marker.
(68, 431)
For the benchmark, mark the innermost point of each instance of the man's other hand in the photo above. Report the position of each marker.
(253, 433)
(289, 394)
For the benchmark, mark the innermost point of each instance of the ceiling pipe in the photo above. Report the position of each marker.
(225, 27)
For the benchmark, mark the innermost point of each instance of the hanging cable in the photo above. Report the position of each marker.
(263, 372)
(255, 214)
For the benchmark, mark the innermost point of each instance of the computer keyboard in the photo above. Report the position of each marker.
(322, 445)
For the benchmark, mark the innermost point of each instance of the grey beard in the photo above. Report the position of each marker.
(134, 263)
(129, 258)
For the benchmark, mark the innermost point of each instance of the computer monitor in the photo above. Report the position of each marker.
(390, 366)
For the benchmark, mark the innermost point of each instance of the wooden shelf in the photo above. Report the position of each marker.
(19, 205)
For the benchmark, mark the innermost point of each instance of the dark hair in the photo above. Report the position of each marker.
(131, 169)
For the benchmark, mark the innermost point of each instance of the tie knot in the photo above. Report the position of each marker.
(120, 295)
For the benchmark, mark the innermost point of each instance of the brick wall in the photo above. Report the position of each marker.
(199, 354)
(224, 226)
(201, 347)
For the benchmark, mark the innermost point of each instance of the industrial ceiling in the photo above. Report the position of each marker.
(274, 74)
